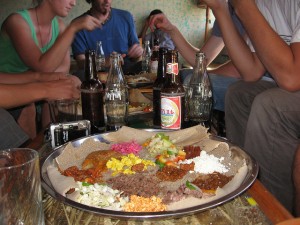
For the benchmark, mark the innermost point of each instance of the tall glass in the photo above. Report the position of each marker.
(20, 187)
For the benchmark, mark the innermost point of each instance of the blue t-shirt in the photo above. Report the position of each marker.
(117, 34)
(216, 29)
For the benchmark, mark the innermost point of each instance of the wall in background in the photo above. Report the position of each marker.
(183, 13)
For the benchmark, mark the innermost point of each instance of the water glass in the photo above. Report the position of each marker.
(64, 110)
(20, 187)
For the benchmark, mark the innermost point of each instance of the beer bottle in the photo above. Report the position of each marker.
(172, 95)
(157, 86)
(199, 96)
(116, 95)
(146, 57)
(154, 57)
(92, 95)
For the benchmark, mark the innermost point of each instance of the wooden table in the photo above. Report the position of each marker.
(257, 200)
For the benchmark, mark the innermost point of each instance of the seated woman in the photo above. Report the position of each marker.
(36, 39)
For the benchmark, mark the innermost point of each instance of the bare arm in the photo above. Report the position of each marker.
(227, 69)
(211, 48)
(13, 95)
(246, 62)
(29, 77)
(57, 55)
(280, 59)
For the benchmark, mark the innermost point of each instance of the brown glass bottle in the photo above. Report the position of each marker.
(172, 95)
(92, 95)
(154, 59)
(157, 86)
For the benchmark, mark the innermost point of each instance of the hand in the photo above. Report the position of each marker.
(42, 77)
(160, 21)
(135, 51)
(63, 89)
(86, 22)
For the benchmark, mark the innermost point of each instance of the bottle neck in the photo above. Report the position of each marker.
(115, 74)
(172, 73)
(161, 68)
(90, 66)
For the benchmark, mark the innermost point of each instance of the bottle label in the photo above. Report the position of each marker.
(172, 68)
(171, 112)
(153, 66)
(113, 95)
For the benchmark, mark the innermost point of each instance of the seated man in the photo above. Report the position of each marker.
(164, 38)
(117, 34)
(263, 117)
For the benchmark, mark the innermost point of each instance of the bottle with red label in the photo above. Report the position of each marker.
(172, 95)
(154, 56)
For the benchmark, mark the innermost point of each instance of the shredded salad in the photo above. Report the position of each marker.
(100, 196)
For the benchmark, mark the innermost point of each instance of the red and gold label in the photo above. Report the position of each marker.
(171, 112)
(172, 68)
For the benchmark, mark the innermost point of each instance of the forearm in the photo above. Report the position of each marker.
(212, 48)
(29, 77)
(187, 51)
(52, 59)
(65, 65)
(17, 95)
(23, 78)
(278, 58)
(226, 69)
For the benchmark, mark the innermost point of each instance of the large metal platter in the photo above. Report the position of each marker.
(236, 152)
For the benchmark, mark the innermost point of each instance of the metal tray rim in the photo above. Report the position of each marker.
(46, 184)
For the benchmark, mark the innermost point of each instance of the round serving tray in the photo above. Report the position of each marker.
(250, 177)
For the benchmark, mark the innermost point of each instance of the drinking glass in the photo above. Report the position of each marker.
(63, 110)
(20, 187)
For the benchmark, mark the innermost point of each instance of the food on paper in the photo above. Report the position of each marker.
(127, 147)
(153, 172)
(100, 196)
(141, 204)
(127, 164)
(142, 78)
(139, 107)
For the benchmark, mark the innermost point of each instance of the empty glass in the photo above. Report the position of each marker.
(20, 187)
(64, 110)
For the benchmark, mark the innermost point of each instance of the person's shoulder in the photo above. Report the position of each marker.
(14, 18)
